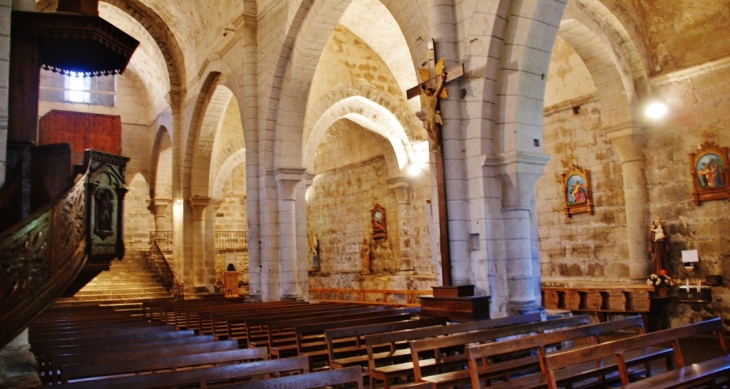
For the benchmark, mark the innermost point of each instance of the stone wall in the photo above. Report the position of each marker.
(339, 205)
(231, 216)
(582, 247)
(699, 103)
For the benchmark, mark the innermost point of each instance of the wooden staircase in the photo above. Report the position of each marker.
(127, 281)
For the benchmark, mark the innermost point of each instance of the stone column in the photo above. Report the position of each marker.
(401, 189)
(286, 183)
(160, 207)
(302, 237)
(520, 172)
(210, 248)
(629, 143)
(442, 24)
(199, 207)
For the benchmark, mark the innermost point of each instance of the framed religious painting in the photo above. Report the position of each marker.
(577, 191)
(709, 169)
(379, 223)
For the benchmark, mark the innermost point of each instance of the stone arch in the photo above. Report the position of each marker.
(163, 35)
(368, 115)
(292, 80)
(212, 102)
(224, 171)
(161, 170)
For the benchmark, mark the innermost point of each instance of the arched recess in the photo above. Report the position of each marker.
(309, 32)
(617, 80)
(369, 115)
(161, 180)
(234, 160)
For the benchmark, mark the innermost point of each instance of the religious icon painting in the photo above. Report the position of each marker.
(380, 227)
(709, 169)
(577, 190)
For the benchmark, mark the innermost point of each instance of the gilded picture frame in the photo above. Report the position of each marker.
(577, 191)
(709, 170)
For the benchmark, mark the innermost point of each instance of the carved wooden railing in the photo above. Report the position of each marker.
(39, 258)
(401, 297)
(230, 241)
(158, 261)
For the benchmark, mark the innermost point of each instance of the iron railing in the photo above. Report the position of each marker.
(163, 240)
(230, 241)
(157, 261)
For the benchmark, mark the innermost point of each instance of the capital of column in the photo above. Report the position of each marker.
(216, 203)
(198, 205)
(401, 188)
(160, 205)
(287, 180)
(519, 172)
(628, 138)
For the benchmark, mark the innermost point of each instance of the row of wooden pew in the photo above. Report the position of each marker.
(393, 347)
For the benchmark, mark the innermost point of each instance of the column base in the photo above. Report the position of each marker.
(524, 308)
(291, 296)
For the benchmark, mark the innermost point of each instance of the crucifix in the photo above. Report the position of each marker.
(431, 90)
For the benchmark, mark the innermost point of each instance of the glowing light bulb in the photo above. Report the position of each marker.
(656, 110)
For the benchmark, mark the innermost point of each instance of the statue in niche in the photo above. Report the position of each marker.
(658, 246)
(314, 253)
(366, 256)
(104, 211)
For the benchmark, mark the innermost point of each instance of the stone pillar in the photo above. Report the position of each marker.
(286, 183)
(160, 207)
(520, 172)
(302, 237)
(442, 25)
(199, 207)
(18, 366)
(629, 143)
(210, 248)
(401, 189)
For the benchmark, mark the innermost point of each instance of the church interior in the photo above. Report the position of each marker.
(574, 157)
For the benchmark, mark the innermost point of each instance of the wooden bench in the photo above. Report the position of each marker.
(328, 378)
(59, 362)
(311, 339)
(259, 331)
(445, 357)
(524, 356)
(381, 366)
(252, 328)
(700, 373)
(562, 367)
(282, 339)
(171, 363)
(204, 377)
(342, 355)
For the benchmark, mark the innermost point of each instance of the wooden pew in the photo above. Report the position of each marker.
(700, 373)
(500, 359)
(620, 354)
(445, 369)
(258, 332)
(171, 363)
(58, 362)
(249, 328)
(311, 339)
(342, 355)
(327, 378)
(381, 366)
(216, 375)
(282, 339)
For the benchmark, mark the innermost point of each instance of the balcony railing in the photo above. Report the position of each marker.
(230, 241)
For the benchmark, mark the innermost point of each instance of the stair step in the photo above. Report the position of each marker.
(127, 283)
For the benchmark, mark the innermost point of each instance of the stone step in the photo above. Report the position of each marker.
(128, 280)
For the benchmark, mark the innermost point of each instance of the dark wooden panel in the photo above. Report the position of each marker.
(82, 130)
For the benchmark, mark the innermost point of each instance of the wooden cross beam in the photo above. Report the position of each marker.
(429, 92)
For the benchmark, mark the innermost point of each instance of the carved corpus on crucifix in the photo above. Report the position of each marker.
(430, 90)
